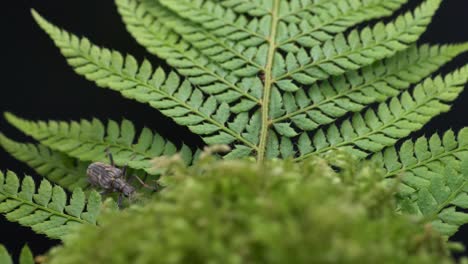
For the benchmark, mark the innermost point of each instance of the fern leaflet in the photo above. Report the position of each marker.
(417, 162)
(89, 140)
(432, 184)
(46, 210)
(372, 131)
(187, 106)
(437, 203)
(358, 49)
(55, 166)
(26, 256)
(316, 23)
(323, 103)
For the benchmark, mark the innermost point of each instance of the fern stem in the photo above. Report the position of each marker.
(268, 83)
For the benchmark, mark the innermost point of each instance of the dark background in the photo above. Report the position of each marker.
(36, 83)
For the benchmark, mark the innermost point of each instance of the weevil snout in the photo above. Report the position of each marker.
(128, 190)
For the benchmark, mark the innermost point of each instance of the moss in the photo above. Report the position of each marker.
(241, 212)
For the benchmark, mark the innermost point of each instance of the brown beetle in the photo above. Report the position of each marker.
(112, 179)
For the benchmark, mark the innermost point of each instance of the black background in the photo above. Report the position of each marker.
(36, 83)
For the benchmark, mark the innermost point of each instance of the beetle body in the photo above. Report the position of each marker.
(109, 178)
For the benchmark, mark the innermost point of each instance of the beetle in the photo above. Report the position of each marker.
(112, 179)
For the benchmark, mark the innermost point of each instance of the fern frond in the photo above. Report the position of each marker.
(418, 162)
(323, 103)
(46, 210)
(208, 62)
(267, 76)
(177, 99)
(373, 130)
(26, 256)
(313, 24)
(250, 7)
(438, 201)
(358, 49)
(88, 141)
(4, 256)
(313, 11)
(222, 22)
(53, 165)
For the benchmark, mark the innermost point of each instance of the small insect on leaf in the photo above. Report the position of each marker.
(112, 179)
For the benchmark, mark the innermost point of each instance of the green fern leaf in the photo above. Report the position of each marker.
(45, 211)
(251, 7)
(359, 49)
(88, 141)
(309, 25)
(206, 63)
(176, 99)
(26, 256)
(437, 202)
(55, 166)
(5, 258)
(222, 22)
(261, 75)
(323, 103)
(374, 130)
(418, 162)
(432, 184)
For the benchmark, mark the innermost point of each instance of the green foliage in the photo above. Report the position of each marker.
(26, 256)
(88, 141)
(373, 130)
(278, 212)
(46, 210)
(267, 82)
(55, 166)
(437, 201)
(418, 162)
(434, 181)
(353, 91)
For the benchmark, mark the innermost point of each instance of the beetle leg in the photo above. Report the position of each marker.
(104, 192)
(124, 169)
(144, 184)
(119, 202)
(111, 158)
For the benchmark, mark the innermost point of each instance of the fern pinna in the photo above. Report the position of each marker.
(272, 79)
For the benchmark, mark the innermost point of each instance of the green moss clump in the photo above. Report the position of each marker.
(241, 212)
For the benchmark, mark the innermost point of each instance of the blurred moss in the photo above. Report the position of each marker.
(278, 212)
